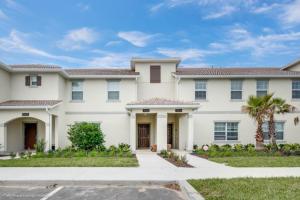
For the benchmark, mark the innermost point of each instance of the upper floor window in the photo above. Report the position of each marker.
(262, 87)
(77, 90)
(33, 80)
(296, 89)
(154, 74)
(200, 89)
(236, 89)
(113, 90)
(226, 131)
(279, 126)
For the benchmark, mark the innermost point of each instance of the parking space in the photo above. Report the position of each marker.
(103, 192)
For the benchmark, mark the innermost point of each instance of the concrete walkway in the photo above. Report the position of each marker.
(152, 167)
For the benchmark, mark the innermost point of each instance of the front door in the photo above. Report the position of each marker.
(170, 135)
(30, 135)
(143, 135)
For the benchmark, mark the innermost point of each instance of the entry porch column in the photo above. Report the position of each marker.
(133, 132)
(3, 140)
(48, 133)
(190, 132)
(161, 131)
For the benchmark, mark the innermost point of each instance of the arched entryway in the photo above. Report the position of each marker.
(23, 133)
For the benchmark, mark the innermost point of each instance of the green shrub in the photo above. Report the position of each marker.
(93, 153)
(40, 145)
(238, 147)
(86, 136)
(80, 153)
(124, 148)
(164, 153)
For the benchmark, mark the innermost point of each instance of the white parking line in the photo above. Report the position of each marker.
(50, 194)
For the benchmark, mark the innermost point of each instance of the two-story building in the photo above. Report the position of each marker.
(155, 101)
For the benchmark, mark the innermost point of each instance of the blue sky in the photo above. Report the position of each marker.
(107, 33)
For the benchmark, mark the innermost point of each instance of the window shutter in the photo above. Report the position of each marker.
(27, 80)
(39, 80)
(154, 74)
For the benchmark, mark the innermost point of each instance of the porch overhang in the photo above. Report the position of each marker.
(29, 104)
(159, 103)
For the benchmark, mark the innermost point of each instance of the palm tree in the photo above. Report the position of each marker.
(277, 106)
(257, 108)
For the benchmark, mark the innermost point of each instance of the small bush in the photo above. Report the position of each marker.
(40, 146)
(86, 136)
(164, 153)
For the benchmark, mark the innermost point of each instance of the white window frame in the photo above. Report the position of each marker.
(226, 130)
(201, 89)
(117, 89)
(262, 90)
(33, 83)
(236, 90)
(80, 89)
(266, 126)
(296, 90)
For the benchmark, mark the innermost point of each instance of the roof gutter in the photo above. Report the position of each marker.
(236, 76)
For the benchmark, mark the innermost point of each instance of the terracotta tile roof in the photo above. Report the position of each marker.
(161, 101)
(234, 71)
(34, 66)
(30, 103)
(103, 71)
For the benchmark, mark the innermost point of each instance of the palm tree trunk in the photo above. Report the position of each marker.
(272, 133)
(259, 136)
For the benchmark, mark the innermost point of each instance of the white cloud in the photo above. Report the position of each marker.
(83, 7)
(265, 8)
(76, 39)
(259, 45)
(16, 43)
(3, 15)
(137, 38)
(156, 7)
(184, 54)
(14, 5)
(291, 13)
(226, 10)
(113, 43)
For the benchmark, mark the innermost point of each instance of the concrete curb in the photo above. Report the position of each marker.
(83, 183)
(189, 191)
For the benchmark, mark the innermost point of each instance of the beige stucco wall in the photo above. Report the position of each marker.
(4, 85)
(49, 90)
(165, 89)
(95, 96)
(204, 127)
(294, 68)
(114, 126)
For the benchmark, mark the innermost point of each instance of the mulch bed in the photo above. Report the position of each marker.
(177, 164)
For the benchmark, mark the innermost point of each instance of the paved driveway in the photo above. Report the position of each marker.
(108, 192)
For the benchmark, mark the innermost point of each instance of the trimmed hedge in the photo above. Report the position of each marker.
(247, 150)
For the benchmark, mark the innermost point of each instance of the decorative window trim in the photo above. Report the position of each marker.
(236, 90)
(76, 90)
(226, 131)
(109, 90)
(296, 90)
(201, 90)
(262, 90)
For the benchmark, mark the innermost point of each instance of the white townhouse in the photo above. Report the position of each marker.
(155, 101)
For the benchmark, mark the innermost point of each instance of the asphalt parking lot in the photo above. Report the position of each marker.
(103, 192)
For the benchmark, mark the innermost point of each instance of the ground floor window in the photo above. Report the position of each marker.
(226, 131)
(279, 126)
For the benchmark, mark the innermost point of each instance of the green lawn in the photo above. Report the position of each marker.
(72, 162)
(248, 188)
(259, 161)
